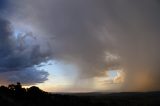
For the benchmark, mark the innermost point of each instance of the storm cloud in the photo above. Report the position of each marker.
(18, 58)
(84, 33)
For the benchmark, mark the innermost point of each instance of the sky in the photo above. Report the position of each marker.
(79, 45)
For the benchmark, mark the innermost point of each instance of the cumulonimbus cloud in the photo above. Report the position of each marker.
(82, 32)
(18, 57)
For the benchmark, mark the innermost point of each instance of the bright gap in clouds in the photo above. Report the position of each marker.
(112, 73)
(61, 76)
(112, 80)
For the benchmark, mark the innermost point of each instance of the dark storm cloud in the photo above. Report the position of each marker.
(19, 55)
(4, 4)
(26, 76)
(83, 33)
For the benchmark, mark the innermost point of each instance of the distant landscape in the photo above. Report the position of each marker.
(79, 52)
(15, 95)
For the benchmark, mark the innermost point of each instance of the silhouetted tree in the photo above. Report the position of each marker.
(17, 90)
(35, 91)
(11, 87)
(4, 90)
(15, 95)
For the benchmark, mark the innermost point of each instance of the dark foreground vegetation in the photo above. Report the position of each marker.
(15, 95)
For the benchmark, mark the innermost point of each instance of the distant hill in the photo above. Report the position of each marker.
(15, 95)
